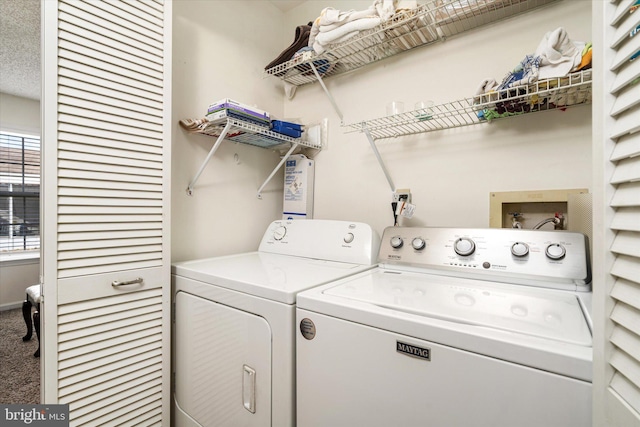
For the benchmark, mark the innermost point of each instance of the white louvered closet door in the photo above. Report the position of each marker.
(617, 214)
(105, 207)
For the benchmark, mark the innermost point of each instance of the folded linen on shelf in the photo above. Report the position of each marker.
(335, 26)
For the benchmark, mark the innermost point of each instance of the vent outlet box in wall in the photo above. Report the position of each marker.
(526, 209)
(299, 173)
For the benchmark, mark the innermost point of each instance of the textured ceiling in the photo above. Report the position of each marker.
(20, 45)
(20, 48)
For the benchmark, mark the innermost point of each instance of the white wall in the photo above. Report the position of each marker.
(452, 172)
(19, 115)
(220, 49)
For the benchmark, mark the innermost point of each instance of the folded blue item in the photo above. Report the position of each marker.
(293, 130)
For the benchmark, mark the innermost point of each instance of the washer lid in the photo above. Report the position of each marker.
(273, 276)
(547, 314)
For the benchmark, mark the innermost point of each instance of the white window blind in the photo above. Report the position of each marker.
(19, 192)
(622, 130)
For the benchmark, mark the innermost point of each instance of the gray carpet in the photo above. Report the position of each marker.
(19, 370)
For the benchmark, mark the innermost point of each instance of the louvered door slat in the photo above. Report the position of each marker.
(121, 408)
(626, 243)
(108, 85)
(627, 389)
(627, 268)
(145, 6)
(623, 31)
(627, 170)
(83, 143)
(626, 219)
(626, 195)
(627, 341)
(627, 292)
(627, 146)
(626, 366)
(626, 76)
(115, 9)
(625, 52)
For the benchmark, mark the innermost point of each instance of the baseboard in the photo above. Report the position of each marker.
(10, 306)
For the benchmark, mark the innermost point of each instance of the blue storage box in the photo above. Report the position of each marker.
(293, 130)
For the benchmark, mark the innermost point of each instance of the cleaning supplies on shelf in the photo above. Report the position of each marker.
(229, 108)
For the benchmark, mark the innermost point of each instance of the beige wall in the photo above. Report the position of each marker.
(451, 172)
(19, 115)
(220, 50)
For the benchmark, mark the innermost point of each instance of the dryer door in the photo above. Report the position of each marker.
(222, 365)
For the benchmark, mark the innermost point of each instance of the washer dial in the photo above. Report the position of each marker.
(464, 246)
(418, 243)
(555, 251)
(348, 238)
(520, 249)
(396, 242)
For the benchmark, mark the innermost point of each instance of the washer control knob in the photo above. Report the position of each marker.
(555, 251)
(520, 249)
(418, 243)
(280, 232)
(396, 242)
(464, 246)
(348, 238)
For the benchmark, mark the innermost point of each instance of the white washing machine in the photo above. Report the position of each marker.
(456, 327)
(234, 329)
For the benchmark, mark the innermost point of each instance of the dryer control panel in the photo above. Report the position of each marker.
(557, 259)
(341, 241)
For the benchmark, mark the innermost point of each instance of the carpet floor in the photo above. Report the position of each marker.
(19, 370)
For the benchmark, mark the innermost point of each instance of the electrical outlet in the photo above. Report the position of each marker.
(402, 194)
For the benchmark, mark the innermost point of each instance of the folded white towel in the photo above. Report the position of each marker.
(333, 26)
(558, 54)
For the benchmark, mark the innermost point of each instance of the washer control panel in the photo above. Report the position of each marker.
(515, 255)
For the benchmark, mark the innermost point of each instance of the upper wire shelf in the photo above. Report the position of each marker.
(408, 29)
(550, 94)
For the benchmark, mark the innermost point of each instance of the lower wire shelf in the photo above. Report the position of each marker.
(550, 94)
(244, 132)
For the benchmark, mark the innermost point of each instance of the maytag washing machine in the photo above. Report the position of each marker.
(456, 327)
(234, 329)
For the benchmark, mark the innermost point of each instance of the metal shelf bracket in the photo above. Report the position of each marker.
(213, 150)
(284, 159)
(377, 154)
(326, 90)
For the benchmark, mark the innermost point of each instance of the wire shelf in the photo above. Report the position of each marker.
(407, 29)
(558, 93)
(245, 132)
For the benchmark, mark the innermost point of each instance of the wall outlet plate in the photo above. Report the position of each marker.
(401, 194)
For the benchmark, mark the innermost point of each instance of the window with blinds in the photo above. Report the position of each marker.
(19, 192)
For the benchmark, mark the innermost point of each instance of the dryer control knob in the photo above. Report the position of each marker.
(464, 246)
(280, 232)
(520, 249)
(348, 238)
(418, 243)
(396, 242)
(555, 251)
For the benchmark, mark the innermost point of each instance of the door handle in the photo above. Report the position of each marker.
(136, 281)
(249, 388)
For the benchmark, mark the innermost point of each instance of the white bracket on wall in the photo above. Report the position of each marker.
(377, 154)
(284, 159)
(213, 150)
(331, 99)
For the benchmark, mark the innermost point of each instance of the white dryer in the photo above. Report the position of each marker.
(456, 327)
(234, 321)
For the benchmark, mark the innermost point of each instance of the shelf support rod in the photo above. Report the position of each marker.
(377, 153)
(284, 159)
(223, 134)
(333, 101)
